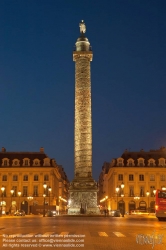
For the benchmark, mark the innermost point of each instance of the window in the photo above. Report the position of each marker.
(4, 178)
(26, 162)
(141, 162)
(120, 162)
(161, 162)
(130, 162)
(162, 177)
(15, 162)
(120, 177)
(142, 192)
(5, 162)
(151, 162)
(36, 178)
(46, 162)
(131, 177)
(46, 177)
(25, 177)
(141, 177)
(131, 191)
(15, 177)
(35, 191)
(152, 177)
(151, 191)
(25, 191)
(15, 190)
(36, 162)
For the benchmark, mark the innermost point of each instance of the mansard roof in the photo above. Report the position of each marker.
(22, 155)
(152, 154)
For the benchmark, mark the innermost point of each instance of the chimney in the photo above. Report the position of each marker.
(3, 150)
(41, 150)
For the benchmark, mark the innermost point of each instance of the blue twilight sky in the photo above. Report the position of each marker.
(128, 39)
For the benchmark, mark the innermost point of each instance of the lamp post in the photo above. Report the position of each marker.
(117, 190)
(147, 193)
(154, 193)
(136, 198)
(2, 189)
(12, 192)
(49, 189)
(122, 195)
(30, 198)
(19, 194)
(44, 195)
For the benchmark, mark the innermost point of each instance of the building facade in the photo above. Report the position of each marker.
(29, 179)
(132, 179)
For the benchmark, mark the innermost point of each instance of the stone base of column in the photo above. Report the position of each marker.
(83, 197)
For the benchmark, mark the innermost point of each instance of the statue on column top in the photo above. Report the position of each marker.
(82, 27)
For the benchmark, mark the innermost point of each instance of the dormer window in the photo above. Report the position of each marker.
(141, 162)
(5, 162)
(26, 162)
(120, 162)
(46, 162)
(162, 162)
(16, 162)
(130, 162)
(151, 162)
(36, 162)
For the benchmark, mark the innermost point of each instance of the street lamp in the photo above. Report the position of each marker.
(136, 198)
(147, 193)
(30, 198)
(19, 194)
(12, 192)
(154, 194)
(122, 195)
(49, 189)
(2, 189)
(44, 195)
(117, 190)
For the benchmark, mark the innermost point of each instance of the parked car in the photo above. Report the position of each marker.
(115, 213)
(19, 213)
(51, 213)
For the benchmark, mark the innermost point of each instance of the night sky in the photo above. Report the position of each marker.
(128, 75)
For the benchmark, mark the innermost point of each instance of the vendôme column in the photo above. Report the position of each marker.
(83, 189)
